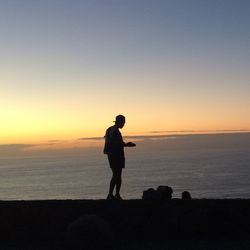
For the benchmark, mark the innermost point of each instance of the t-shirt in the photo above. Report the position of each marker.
(113, 142)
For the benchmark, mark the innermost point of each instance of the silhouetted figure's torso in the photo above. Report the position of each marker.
(114, 147)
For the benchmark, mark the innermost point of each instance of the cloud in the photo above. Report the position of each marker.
(198, 131)
(137, 137)
(14, 146)
(55, 141)
(171, 131)
(154, 135)
(90, 138)
(10, 149)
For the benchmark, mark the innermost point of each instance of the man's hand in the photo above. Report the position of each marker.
(130, 144)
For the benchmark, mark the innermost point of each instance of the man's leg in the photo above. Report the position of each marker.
(112, 183)
(118, 178)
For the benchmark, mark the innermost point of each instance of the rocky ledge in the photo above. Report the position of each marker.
(101, 224)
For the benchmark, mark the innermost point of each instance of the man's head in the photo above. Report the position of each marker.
(120, 121)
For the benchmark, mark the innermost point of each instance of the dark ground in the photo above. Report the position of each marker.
(173, 244)
(135, 224)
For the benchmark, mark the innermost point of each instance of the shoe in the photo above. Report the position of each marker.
(110, 197)
(118, 197)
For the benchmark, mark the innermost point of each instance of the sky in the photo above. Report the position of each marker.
(68, 67)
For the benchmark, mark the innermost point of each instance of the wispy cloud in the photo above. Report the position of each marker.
(13, 149)
(135, 137)
(198, 131)
(170, 134)
(90, 138)
(14, 146)
(55, 141)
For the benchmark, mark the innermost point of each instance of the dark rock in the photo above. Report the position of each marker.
(151, 195)
(186, 195)
(90, 232)
(165, 191)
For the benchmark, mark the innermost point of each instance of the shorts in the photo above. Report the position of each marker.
(116, 162)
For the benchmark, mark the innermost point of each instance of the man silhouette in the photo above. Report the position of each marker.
(114, 148)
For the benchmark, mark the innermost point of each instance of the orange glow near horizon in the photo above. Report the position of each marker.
(34, 112)
(37, 128)
(85, 109)
(36, 121)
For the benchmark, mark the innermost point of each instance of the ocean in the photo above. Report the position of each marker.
(208, 166)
